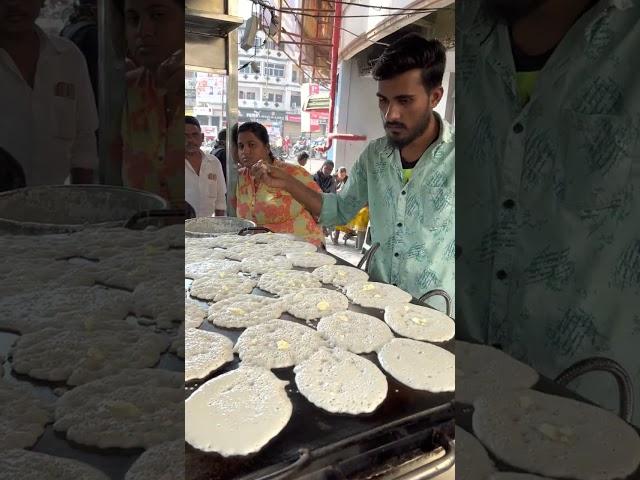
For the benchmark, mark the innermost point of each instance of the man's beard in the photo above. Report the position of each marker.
(511, 10)
(416, 132)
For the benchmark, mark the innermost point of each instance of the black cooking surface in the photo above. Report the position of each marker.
(311, 427)
(464, 414)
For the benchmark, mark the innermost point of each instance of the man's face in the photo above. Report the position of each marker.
(18, 16)
(511, 10)
(406, 107)
(302, 162)
(193, 138)
(327, 169)
(155, 30)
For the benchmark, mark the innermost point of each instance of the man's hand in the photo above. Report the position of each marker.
(170, 75)
(270, 175)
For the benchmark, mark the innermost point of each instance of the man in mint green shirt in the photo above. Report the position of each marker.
(549, 173)
(406, 178)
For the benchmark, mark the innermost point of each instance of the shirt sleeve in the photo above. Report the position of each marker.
(339, 208)
(84, 152)
(221, 201)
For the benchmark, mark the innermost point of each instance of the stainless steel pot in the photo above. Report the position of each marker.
(214, 226)
(68, 208)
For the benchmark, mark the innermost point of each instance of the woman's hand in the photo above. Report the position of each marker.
(270, 175)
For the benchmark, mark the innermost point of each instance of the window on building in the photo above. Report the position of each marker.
(250, 95)
(294, 75)
(274, 70)
(295, 101)
(241, 95)
(278, 98)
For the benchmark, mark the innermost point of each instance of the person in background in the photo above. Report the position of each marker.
(205, 188)
(286, 145)
(303, 158)
(82, 29)
(152, 131)
(220, 150)
(273, 208)
(324, 179)
(341, 178)
(407, 178)
(53, 139)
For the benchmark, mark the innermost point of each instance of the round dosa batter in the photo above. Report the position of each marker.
(238, 412)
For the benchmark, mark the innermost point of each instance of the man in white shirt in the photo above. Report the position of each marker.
(49, 115)
(204, 183)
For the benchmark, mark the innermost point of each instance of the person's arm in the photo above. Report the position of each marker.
(329, 208)
(276, 177)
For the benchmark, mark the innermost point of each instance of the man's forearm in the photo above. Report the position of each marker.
(310, 199)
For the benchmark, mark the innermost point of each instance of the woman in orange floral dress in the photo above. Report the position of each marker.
(266, 206)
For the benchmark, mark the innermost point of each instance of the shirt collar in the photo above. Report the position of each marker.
(46, 44)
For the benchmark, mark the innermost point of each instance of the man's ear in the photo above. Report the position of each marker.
(436, 95)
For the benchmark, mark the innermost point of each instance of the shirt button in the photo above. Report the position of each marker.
(396, 254)
(518, 128)
(403, 192)
(400, 224)
(508, 203)
(501, 274)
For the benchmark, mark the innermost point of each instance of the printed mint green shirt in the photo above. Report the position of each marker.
(413, 222)
(548, 226)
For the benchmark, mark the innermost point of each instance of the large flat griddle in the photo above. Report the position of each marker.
(114, 462)
(310, 427)
(464, 414)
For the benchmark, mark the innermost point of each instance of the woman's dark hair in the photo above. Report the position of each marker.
(259, 131)
(410, 52)
(189, 120)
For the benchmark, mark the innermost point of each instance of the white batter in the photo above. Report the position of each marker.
(419, 365)
(420, 323)
(376, 295)
(205, 352)
(340, 275)
(278, 344)
(341, 382)
(483, 370)
(237, 413)
(282, 282)
(244, 310)
(354, 331)
(556, 437)
(314, 303)
(133, 409)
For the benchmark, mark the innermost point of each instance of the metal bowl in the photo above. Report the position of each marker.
(214, 226)
(68, 208)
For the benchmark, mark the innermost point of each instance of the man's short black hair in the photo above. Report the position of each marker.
(410, 52)
(303, 156)
(222, 135)
(189, 120)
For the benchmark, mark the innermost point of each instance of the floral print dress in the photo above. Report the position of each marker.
(275, 208)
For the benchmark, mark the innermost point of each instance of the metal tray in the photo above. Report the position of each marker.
(311, 428)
